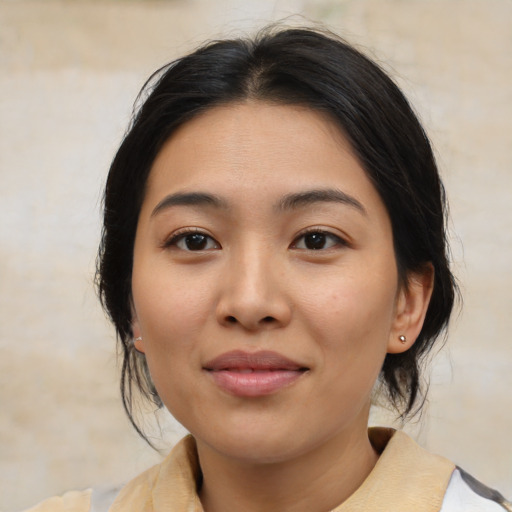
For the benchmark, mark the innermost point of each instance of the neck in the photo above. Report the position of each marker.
(315, 481)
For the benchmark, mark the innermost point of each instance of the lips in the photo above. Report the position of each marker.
(253, 374)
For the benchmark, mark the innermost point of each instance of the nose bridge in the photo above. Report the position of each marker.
(253, 294)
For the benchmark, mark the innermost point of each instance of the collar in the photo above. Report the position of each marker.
(406, 477)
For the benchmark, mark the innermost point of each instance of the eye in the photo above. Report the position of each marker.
(193, 241)
(317, 240)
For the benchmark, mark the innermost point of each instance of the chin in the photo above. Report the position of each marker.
(260, 450)
(257, 441)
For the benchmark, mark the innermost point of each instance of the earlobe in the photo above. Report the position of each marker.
(137, 340)
(411, 308)
(138, 344)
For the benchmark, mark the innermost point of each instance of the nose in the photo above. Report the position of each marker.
(253, 293)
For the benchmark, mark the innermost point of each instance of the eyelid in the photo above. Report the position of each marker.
(182, 233)
(341, 241)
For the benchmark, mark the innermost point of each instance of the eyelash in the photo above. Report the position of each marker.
(338, 241)
(181, 235)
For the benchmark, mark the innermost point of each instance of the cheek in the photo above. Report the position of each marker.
(354, 305)
(167, 301)
(351, 319)
(170, 315)
(169, 324)
(352, 329)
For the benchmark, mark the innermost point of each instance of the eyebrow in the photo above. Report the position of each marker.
(189, 199)
(288, 202)
(310, 197)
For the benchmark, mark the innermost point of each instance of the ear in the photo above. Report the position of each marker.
(411, 307)
(138, 341)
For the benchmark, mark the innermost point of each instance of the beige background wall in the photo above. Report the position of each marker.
(69, 71)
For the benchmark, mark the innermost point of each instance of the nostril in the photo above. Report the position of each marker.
(248, 323)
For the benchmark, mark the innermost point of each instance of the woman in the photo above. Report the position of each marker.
(273, 255)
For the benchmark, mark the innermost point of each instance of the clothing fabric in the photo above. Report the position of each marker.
(406, 478)
(466, 493)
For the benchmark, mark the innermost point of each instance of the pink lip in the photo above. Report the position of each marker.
(257, 374)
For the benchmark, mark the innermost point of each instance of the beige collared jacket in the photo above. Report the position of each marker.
(406, 478)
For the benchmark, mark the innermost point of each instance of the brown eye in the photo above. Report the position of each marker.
(194, 242)
(317, 240)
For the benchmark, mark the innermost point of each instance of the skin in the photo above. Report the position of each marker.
(256, 284)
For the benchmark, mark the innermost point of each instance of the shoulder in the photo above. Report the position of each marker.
(173, 482)
(137, 494)
(466, 494)
(98, 499)
(73, 501)
(174, 479)
(407, 477)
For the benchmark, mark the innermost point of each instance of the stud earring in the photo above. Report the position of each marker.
(402, 339)
(138, 338)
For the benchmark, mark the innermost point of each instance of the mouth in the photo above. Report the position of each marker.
(253, 374)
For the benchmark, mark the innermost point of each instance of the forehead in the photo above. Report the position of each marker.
(259, 150)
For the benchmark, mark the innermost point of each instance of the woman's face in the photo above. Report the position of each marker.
(265, 286)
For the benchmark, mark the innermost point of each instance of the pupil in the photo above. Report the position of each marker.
(315, 241)
(196, 242)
